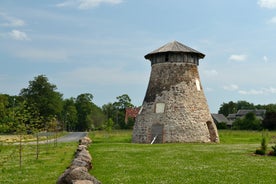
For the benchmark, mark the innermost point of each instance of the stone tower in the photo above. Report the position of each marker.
(175, 108)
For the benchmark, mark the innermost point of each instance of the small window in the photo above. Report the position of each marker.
(197, 85)
(166, 57)
(159, 107)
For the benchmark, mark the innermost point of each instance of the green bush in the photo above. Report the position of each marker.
(273, 152)
(260, 151)
(248, 122)
(263, 149)
(222, 125)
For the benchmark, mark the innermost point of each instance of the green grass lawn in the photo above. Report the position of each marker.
(51, 163)
(117, 160)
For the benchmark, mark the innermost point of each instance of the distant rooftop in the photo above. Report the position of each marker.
(175, 47)
(257, 112)
(220, 118)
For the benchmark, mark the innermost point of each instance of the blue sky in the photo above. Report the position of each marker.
(98, 46)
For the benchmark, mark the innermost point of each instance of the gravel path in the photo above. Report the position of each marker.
(72, 137)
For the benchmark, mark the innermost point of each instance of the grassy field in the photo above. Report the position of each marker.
(116, 160)
(52, 161)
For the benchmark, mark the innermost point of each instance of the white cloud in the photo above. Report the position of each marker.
(10, 21)
(67, 3)
(265, 59)
(251, 92)
(18, 35)
(231, 87)
(269, 90)
(42, 54)
(238, 57)
(271, 4)
(208, 89)
(272, 20)
(103, 76)
(87, 4)
(210, 73)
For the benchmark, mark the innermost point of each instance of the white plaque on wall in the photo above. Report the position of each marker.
(159, 107)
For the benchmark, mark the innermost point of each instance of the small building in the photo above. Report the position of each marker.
(231, 118)
(260, 114)
(220, 118)
(131, 112)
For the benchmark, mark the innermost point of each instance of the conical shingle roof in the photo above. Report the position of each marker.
(174, 47)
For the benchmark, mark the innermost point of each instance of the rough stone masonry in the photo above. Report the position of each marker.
(78, 171)
(174, 108)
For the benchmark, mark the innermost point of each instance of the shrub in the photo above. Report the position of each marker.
(249, 122)
(273, 152)
(260, 151)
(263, 149)
(222, 125)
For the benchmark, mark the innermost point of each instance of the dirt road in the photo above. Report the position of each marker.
(72, 137)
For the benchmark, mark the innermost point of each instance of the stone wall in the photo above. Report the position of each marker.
(185, 116)
(77, 172)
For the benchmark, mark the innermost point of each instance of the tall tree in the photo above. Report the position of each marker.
(42, 96)
(97, 117)
(270, 121)
(109, 110)
(84, 108)
(228, 108)
(69, 114)
(242, 104)
(3, 107)
(232, 107)
(8, 106)
(269, 108)
(123, 102)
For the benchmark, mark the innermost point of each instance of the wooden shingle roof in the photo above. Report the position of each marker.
(220, 118)
(175, 47)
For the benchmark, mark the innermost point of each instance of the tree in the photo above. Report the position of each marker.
(5, 114)
(228, 108)
(108, 126)
(269, 121)
(3, 105)
(249, 122)
(244, 105)
(120, 106)
(269, 107)
(109, 110)
(97, 117)
(8, 107)
(116, 111)
(42, 97)
(232, 107)
(21, 118)
(84, 108)
(123, 102)
(69, 114)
